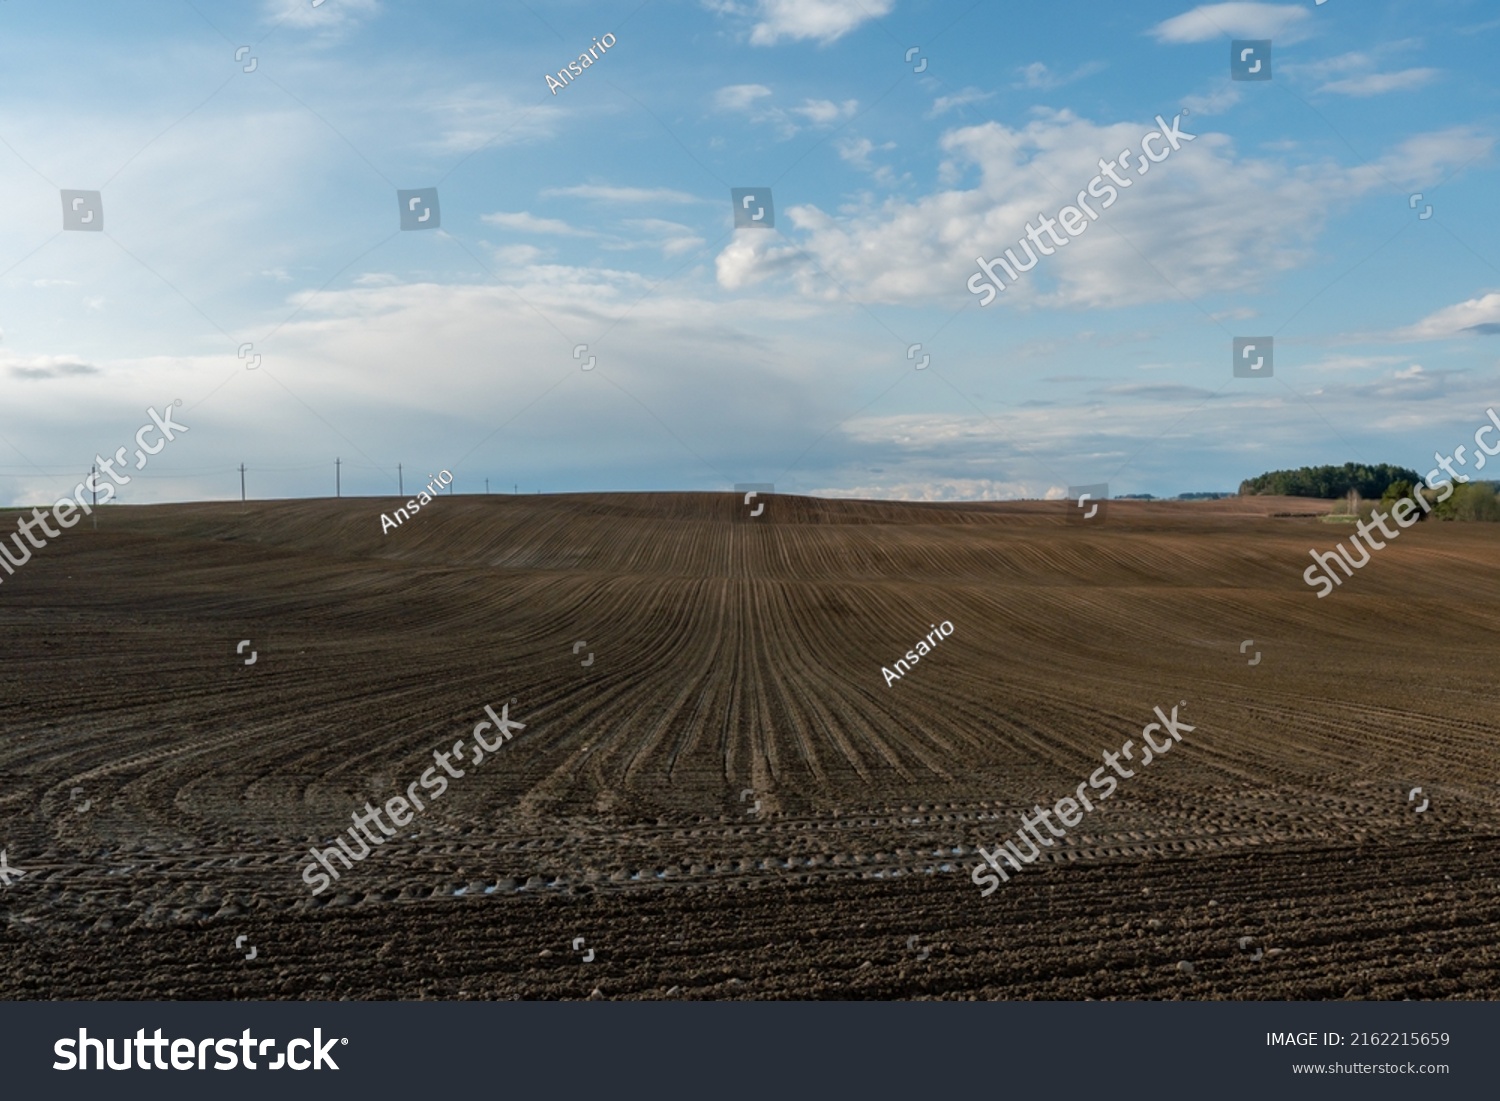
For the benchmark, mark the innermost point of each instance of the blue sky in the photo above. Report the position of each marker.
(259, 208)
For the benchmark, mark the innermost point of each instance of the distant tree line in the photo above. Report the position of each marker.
(1330, 481)
(1468, 500)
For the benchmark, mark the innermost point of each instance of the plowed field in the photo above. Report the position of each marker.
(728, 800)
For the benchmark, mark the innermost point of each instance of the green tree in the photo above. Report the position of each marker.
(1329, 481)
(1397, 491)
(1470, 501)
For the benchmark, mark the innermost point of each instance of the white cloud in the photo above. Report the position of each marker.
(714, 372)
(1215, 102)
(330, 16)
(1038, 76)
(1332, 66)
(1237, 313)
(1344, 361)
(1425, 159)
(750, 258)
(476, 117)
(676, 246)
(818, 113)
(1207, 220)
(740, 97)
(824, 112)
(823, 20)
(1283, 22)
(943, 104)
(856, 151)
(1477, 316)
(672, 238)
(529, 223)
(1374, 84)
(513, 256)
(606, 194)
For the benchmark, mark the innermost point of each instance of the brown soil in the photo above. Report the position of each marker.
(735, 656)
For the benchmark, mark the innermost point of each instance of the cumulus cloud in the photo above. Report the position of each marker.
(1284, 22)
(816, 113)
(1208, 220)
(740, 97)
(1477, 316)
(824, 112)
(857, 151)
(750, 258)
(824, 21)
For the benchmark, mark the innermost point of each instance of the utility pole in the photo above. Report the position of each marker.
(94, 481)
(338, 485)
(486, 487)
(400, 485)
(517, 488)
(242, 483)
